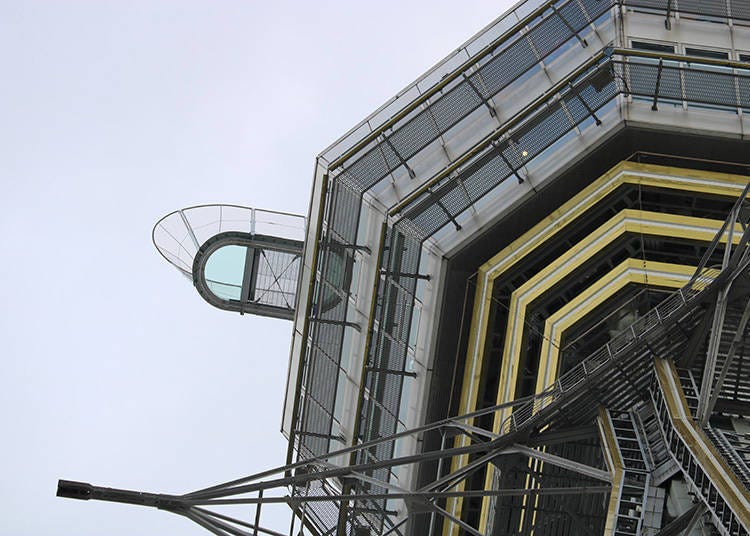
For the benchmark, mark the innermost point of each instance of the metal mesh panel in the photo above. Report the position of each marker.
(387, 355)
(508, 65)
(579, 14)
(738, 9)
(345, 212)
(324, 515)
(453, 105)
(743, 90)
(652, 4)
(717, 8)
(415, 134)
(642, 80)
(544, 128)
(549, 124)
(328, 314)
(700, 86)
(451, 108)
(548, 40)
(477, 184)
(710, 88)
(390, 340)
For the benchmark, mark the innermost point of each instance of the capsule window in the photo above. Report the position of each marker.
(225, 270)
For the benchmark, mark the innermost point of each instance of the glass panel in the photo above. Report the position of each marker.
(403, 409)
(654, 47)
(702, 53)
(224, 271)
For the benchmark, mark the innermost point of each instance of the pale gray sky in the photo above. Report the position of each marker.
(113, 113)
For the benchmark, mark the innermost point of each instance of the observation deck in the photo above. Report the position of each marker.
(239, 258)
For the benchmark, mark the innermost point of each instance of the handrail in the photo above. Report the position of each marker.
(527, 111)
(609, 352)
(447, 79)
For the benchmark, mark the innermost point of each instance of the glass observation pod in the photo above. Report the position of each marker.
(239, 258)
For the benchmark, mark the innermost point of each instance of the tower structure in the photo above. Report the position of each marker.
(520, 304)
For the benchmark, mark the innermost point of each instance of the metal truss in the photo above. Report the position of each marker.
(605, 77)
(292, 484)
(365, 501)
(733, 256)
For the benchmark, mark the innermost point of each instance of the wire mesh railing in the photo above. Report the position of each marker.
(611, 352)
(179, 235)
(714, 492)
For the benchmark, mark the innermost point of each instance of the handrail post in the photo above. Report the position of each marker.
(189, 229)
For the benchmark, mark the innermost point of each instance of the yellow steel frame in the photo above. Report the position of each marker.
(721, 184)
(615, 463)
(721, 475)
(630, 271)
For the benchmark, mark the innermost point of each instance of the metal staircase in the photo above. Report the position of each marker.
(733, 448)
(635, 477)
(703, 470)
(662, 462)
(734, 396)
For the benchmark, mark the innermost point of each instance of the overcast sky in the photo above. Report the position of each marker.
(113, 113)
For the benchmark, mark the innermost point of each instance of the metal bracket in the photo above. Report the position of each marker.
(584, 104)
(496, 146)
(445, 210)
(667, 21)
(581, 40)
(658, 83)
(398, 155)
(354, 247)
(337, 323)
(392, 372)
(386, 273)
(485, 101)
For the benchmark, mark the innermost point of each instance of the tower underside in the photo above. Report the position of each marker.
(521, 306)
(529, 198)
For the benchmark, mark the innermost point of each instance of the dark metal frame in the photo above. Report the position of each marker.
(256, 244)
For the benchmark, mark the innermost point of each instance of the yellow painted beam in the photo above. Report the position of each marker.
(725, 185)
(630, 271)
(615, 464)
(721, 184)
(657, 274)
(627, 221)
(720, 474)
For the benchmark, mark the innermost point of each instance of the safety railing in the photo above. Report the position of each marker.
(610, 352)
(735, 449)
(635, 478)
(179, 235)
(726, 519)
